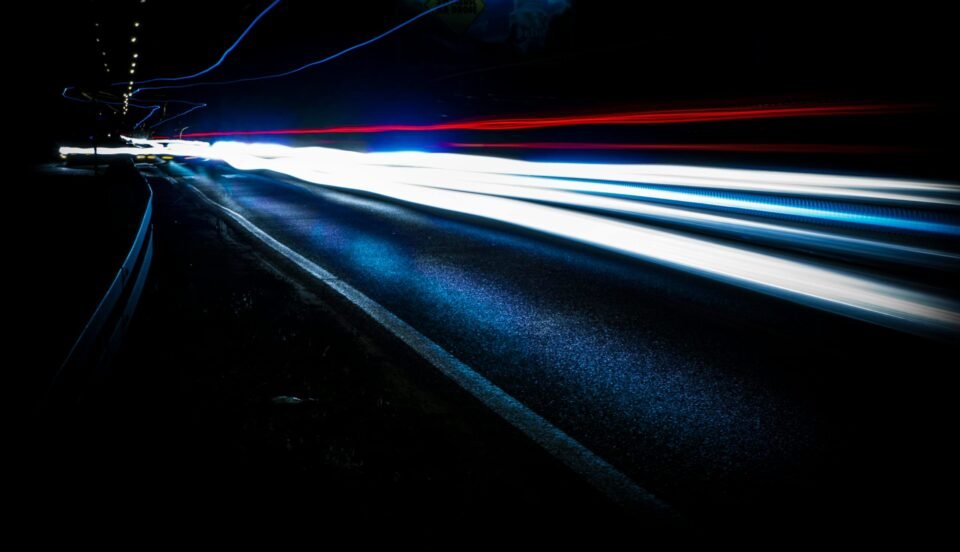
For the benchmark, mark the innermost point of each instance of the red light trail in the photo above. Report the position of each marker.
(737, 148)
(661, 117)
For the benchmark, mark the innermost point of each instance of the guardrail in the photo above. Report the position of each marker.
(102, 334)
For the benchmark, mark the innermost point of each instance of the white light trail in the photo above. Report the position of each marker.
(761, 181)
(505, 191)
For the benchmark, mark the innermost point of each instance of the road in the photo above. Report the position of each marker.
(726, 404)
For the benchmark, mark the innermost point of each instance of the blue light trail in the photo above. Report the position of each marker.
(152, 111)
(219, 61)
(308, 65)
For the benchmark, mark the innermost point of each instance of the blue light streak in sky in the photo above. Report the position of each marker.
(308, 65)
(152, 111)
(222, 58)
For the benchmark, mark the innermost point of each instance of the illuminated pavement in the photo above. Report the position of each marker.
(722, 402)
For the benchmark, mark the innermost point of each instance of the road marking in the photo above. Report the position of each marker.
(597, 471)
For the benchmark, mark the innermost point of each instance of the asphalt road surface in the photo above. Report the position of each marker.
(732, 407)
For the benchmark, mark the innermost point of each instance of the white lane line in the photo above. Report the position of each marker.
(597, 471)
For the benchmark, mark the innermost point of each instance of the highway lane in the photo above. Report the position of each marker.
(727, 404)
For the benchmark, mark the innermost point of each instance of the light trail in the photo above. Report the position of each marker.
(863, 216)
(312, 63)
(654, 117)
(219, 61)
(628, 179)
(852, 149)
(726, 225)
(546, 204)
(148, 115)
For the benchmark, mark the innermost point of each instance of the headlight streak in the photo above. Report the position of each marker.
(452, 183)
(486, 184)
(815, 211)
(597, 178)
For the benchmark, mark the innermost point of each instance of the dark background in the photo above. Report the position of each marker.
(596, 56)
